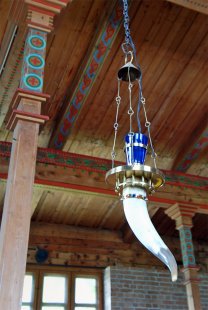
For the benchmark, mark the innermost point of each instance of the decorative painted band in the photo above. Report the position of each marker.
(89, 75)
(93, 164)
(197, 148)
(34, 61)
(187, 247)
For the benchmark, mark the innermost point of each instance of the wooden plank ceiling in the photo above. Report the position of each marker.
(172, 47)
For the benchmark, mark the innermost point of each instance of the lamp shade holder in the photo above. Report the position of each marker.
(138, 175)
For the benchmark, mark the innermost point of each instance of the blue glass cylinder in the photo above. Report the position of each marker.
(135, 148)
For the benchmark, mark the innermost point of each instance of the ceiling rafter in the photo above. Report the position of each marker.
(88, 77)
(190, 153)
(200, 6)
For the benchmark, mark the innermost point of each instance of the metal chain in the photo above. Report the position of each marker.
(118, 101)
(128, 39)
(130, 110)
(148, 126)
(126, 47)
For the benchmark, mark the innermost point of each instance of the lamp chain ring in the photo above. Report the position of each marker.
(128, 39)
(116, 125)
(148, 126)
(130, 110)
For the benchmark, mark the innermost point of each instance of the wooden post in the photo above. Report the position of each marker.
(24, 118)
(183, 217)
(17, 209)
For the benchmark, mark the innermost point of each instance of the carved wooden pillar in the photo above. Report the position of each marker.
(24, 117)
(183, 217)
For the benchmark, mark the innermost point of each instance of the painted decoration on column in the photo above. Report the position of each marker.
(34, 61)
(187, 247)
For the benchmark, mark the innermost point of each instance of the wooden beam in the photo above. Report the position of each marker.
(88, 77)
(69, 245)
(51, 159)
(88, 247)
(196, 5)
(188, 155)
(56, 170)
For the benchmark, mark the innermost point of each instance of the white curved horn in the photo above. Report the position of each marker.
(136, 213)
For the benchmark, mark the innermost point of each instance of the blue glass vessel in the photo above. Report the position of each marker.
(135, 148)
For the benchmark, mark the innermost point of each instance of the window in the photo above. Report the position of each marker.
(86, 293)
(62, 289)
(28, 292)
(54, 294)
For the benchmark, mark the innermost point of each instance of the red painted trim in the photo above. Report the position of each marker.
(168, 172)
(101, 191)
(39, 10)
(188, 214)
(182, 185)
(36, 26)
(25, 116)
(65, 1)
(99, 165)
(36, 116)
(76, 187)
(118, 163)
(33, 93)
(49, 4)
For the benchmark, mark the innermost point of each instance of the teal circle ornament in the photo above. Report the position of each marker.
(37, 42)
(35, 61)
(33, 81)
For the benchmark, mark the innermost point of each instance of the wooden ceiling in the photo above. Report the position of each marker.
(83, 57)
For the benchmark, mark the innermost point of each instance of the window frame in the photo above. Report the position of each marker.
(31, 304)
(65, 304)
(85, 275)
(71, 273)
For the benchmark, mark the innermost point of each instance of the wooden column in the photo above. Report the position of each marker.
(183, 217)
(24, 117)
(17, 205)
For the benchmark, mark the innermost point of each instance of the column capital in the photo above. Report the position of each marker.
(182, 214)
(23, 97)
(191, 274)
(41, 13)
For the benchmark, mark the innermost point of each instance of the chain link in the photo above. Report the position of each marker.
(128, 39)
(116, 125)
(130, 110)
(128, 47)
(148, 126)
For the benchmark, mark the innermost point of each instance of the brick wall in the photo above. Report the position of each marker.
(204, 290)
(152, 289)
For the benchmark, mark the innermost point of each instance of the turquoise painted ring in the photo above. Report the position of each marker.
(37, 42)
(33, 81)
(35, 61)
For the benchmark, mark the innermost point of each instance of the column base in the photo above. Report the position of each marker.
(192, 287)
(191, 274)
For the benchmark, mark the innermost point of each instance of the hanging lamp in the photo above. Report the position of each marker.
(135, 180)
